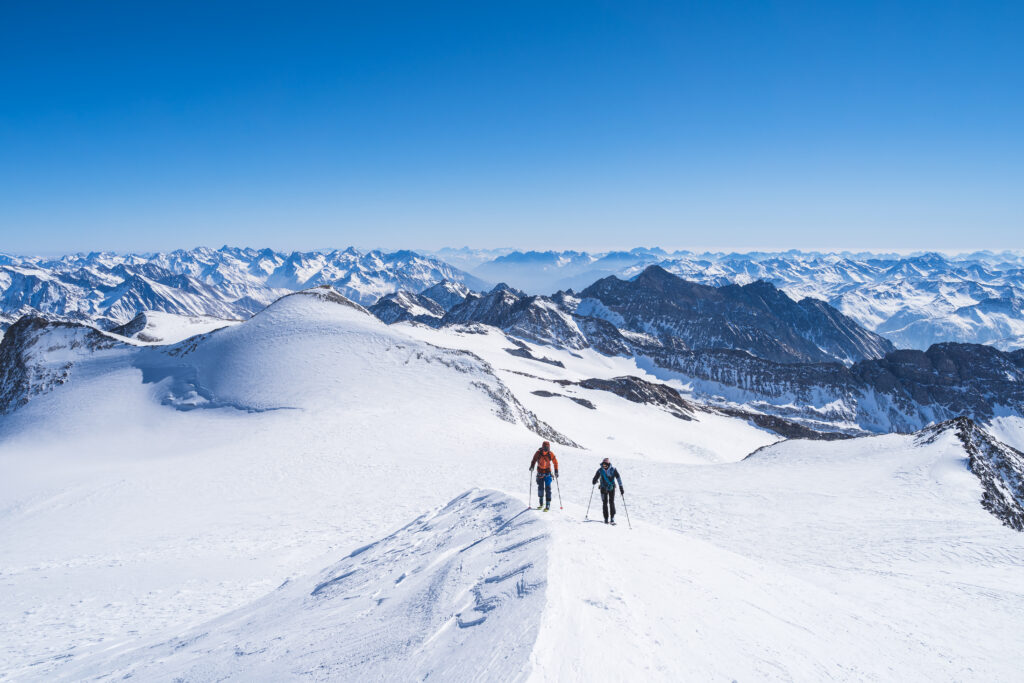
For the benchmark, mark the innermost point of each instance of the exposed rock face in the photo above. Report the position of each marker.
(999, 468)
(535, 318)
(575, 399)
(401, 306)
(641, 391)
(757, 318)
(522, 350)
(784, 428)
(604, 336)
(37, 355)
(665, 397)
(132, 327)
(661, 311)
(903, 392)
(447, 294)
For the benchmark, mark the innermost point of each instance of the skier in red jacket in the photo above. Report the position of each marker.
(543, 460)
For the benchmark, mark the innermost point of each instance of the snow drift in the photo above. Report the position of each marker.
(456, 595)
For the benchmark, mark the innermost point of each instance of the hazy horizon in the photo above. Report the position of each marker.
(496, 251)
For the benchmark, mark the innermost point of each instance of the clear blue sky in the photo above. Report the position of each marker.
(155, 125)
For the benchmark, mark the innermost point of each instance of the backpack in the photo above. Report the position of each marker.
(544, 461)
(608, 478)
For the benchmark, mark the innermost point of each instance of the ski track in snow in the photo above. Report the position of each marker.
(139, 538)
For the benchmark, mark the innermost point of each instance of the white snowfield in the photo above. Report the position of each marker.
(226, 509)
(171, 328)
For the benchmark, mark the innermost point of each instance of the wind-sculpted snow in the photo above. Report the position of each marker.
(456, 595)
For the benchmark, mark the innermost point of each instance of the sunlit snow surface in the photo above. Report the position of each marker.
(144, 534)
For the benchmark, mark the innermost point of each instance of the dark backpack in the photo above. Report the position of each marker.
(608, 478)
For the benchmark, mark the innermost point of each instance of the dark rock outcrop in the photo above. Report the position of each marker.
(535, 318)
(641, 391)
(902, 392)
(758, 318)
(446, 294)
(575, 399)
(26, 368)
(999, 468)
(402, 306)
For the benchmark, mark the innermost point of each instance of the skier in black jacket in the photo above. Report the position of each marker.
(607, 475)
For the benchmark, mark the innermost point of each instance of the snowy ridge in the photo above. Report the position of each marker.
(469, 577)
(999, 467)
(229, 367)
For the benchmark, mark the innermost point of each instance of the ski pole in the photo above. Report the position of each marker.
(587, 516)
(529, 492)
(626, 508)
(559, 489)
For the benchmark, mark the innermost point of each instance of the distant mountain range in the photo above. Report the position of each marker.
(749, 346)
(231, 283)
(914, 301)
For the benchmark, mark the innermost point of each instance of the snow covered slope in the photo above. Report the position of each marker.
(170, 484)
(158, 327)
(457, 594)
(154, 502)
(861, 563)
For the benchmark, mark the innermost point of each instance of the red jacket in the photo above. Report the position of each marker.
(543, 459)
